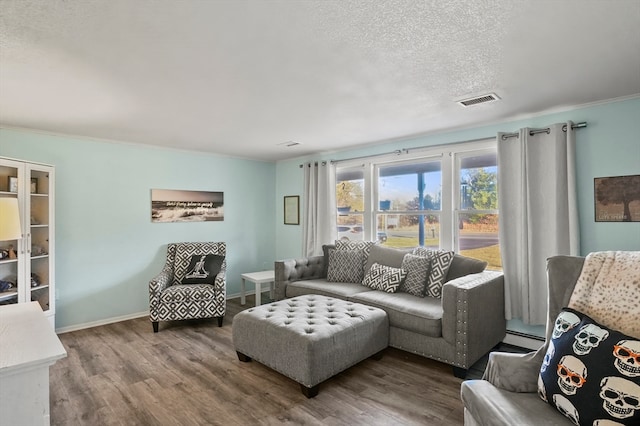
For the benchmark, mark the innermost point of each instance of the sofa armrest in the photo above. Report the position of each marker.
(290, 270)
(473, 314)
(514, 372)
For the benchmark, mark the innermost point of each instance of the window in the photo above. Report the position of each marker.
(409, 200)
(477, 207)
(444, 197)
(350, 201)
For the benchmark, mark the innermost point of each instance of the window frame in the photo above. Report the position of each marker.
(450, 157)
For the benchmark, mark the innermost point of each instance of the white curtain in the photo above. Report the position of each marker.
(319, 226)
(538, 214)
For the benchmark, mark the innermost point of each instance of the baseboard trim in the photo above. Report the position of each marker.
(116, 319)
(523, 340)
(101, 322)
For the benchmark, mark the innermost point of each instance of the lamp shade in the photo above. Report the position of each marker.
(9, 219)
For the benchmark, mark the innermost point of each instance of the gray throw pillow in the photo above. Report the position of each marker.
(384, 278)
(440, 264)
(345, 266)
(417, 268)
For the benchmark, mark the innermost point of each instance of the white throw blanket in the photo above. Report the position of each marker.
(608, 290)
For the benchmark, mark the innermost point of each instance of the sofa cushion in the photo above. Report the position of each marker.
(591, 372)
(440, 263)
(417, 268)
(345, 266)
(463, 265)
(388, 256)
(418, 314)
(340, 290)
(188, 292)
(383, 277)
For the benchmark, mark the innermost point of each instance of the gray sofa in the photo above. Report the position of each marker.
(458, 329)
(507, 395)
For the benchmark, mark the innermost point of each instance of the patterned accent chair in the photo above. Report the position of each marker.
(169, 300)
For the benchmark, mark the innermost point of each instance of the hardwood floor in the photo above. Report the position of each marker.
(189, 374)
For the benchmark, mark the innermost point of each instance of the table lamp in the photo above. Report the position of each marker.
(9, 220)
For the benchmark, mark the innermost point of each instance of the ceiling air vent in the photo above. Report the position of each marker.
(490, 97)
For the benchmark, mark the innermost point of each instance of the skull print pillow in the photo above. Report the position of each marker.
(591, 373)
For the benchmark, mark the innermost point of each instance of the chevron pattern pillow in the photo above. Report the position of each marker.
(385, 278)
(345, 266)
(417, 268)
(440, 264)
(365, 246)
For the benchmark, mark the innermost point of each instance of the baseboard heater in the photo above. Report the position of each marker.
(523, 340)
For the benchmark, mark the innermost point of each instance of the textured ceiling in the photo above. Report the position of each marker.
(243, 77)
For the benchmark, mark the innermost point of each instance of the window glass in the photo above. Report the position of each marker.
(478, 213)
(404, 231)
(404, 188)
(350, 202)
(410, 186)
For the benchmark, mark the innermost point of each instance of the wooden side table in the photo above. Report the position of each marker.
(258, 278)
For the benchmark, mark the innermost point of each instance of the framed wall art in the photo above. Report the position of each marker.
(292, 210)
(617, 198)
(169, 205)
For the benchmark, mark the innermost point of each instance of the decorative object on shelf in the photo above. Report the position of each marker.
(292, 210)
(35, 280)
(34, 185)
(4, 254)
(37, 250)
(617, 198)
(186, 206)
(12, 253)
(6, 285)
(34, 221)
(13, 184)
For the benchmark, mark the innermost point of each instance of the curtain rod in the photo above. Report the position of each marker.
(400, 151)
(396, 152)
(545, 130)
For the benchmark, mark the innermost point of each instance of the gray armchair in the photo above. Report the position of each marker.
(170, 299)
(507, 395)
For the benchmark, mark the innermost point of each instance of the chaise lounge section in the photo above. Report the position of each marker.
(457, 329)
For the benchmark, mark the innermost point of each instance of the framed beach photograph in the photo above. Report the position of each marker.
(169, 205)
(292, 210)
(617, 198)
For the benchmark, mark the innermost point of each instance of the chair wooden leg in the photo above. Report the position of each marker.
(155, 326)
(220, 319)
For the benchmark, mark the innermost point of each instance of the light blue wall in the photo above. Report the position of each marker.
(609, 146)
(107, 249)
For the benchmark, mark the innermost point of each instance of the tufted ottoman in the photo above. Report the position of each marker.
(310, 338)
